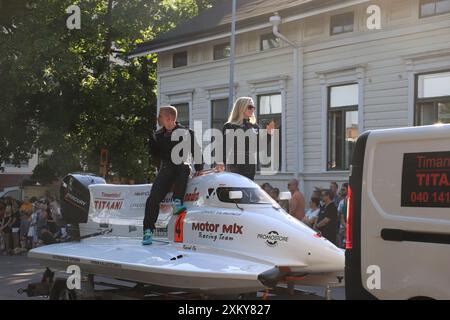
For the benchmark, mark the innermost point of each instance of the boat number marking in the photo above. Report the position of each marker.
(179, 227)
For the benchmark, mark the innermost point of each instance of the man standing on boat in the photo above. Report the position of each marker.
(170, 173)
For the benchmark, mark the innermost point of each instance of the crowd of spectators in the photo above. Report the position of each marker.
(326, 211)
(28, 224)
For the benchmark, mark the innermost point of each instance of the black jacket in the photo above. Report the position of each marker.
(247, 125)
(161, 145)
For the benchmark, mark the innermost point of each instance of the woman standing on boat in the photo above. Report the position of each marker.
(242, 117)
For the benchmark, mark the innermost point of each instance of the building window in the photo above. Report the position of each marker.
(342, 125)
(179, 59)
(183, 113)
(269, 41)
(342, 23)
(269, 117)
(430, 8)
(222, 51)
(219, 113)
(432, 98)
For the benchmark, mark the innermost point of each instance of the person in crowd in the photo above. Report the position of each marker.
(46, 226)
(51, 218)
(5, 227)
(266, 187)
(275, 194)
(313, 212)
(25, 219)
(242, 117)
(327, 221)
(297, 202)
(342, 215)
(43, 217)
(60, 225)
(2, 217)
(26, 206)
(316, 193)
(334, 188)
(15, 226)
(32, 230)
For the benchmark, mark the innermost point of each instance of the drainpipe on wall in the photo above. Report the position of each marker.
(275, 20)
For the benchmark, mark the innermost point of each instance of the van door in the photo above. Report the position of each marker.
(401, 219)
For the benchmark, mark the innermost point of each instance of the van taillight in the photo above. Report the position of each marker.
(349, 237)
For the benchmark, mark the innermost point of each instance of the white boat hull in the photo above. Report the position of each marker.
(161, 264)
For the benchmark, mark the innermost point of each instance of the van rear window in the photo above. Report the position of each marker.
(426, 179)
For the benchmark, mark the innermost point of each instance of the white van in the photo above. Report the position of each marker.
(398, 229)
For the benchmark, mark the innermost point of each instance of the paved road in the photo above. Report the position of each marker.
(17, 272)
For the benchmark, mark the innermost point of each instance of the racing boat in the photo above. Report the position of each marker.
(233, 238)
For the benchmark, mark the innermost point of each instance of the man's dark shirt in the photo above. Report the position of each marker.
(329, 230)
(161, 145)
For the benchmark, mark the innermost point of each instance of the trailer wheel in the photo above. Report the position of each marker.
(61, 292)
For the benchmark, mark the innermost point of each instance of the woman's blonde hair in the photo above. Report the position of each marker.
(239, 108)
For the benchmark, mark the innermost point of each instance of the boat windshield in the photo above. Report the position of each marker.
(249, 196)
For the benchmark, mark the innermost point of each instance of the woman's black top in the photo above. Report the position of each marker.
(247, 168)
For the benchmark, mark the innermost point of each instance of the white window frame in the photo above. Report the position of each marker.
(336, 77)
(427, 62)
(277, 84)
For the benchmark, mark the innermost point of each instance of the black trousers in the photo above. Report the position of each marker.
(168, 175)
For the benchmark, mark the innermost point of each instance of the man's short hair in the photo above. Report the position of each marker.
(295, 182)
(169, 110)
(334, 183)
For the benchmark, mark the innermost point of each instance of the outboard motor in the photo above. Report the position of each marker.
(75, 197)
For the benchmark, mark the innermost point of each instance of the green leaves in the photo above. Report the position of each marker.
(59, 92)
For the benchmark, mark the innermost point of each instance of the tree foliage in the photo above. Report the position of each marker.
(60, 93)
